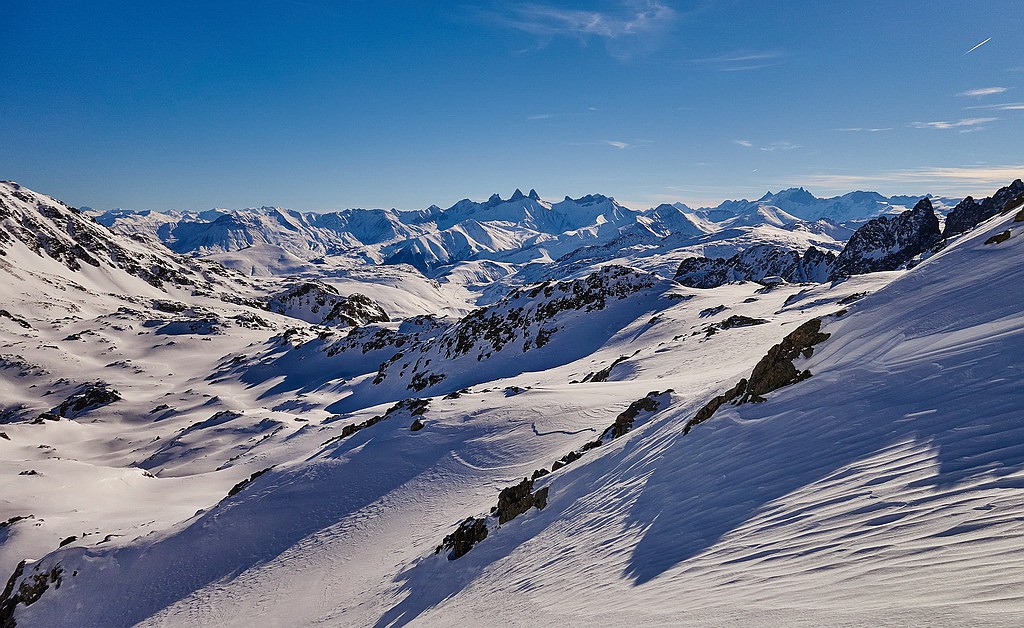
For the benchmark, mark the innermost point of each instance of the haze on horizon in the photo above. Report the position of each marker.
(318, 105)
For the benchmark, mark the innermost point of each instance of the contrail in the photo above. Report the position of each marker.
(978, 46)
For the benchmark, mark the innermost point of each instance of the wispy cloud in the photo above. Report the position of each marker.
(780, 145)
(942, 124)
(625, 30)
(952, 180)
(1003, 106)
(979, 45)
(858, 129)
(982, 91)
(742, 61)
(541, 116)
(618, 144)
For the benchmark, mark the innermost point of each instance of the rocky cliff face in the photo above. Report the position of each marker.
(887, 243)
(521, 323)
(319, 303)
(49, 228)
(969, 212)
(756, 264)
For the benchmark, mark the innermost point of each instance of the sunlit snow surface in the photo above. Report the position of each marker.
(885, 489)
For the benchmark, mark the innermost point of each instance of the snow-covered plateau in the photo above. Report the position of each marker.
(788, 411)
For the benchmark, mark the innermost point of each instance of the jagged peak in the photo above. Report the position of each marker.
(533, 195)
(925, 204)
(517, 195)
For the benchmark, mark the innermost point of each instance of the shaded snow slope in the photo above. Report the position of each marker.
(173, 458)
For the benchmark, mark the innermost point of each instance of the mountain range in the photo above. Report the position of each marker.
(515, 412)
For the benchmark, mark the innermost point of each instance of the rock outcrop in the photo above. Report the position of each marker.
(889, 243)
(87, 397)
(758, 263)
(969, 212)
(320, 303)
(775, 370)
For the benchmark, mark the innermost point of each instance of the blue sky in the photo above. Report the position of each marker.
(319, 105)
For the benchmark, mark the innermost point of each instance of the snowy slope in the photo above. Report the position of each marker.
(252, 473)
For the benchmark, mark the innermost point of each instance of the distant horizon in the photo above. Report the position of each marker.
(506, 197)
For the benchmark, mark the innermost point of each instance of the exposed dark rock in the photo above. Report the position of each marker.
(21, 322)
(969, 213)
(515, 500)
(14, 520)
(856, 296)
(469, 533)
(68, 541)
(526, 318)
(87, 397)
(237, 488)
(889, 243)
(624, 422)
(31, 589)
(759, 263)
(4, 436)
(568, 458)
(416, 426)
(773, 371)
(321, 303)
(356, 309)
(412, 407)
(999, 237)
(605, 373)
(29, 472)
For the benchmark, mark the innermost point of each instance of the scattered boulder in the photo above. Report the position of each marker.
(469, 533)
(515, 500)
(237, 488)
(999, 237)
(87, 397)
(773, 371)
(413, 407)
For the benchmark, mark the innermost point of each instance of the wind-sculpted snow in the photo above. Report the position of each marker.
(222, 464)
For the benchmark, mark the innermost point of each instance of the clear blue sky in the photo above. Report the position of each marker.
(319, 105)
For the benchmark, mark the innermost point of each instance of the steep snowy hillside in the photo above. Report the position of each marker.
(600, 446)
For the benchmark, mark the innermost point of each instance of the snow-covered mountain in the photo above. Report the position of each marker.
(520, 230)
(548, 427)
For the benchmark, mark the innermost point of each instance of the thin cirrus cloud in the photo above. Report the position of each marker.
(742, 61)
(1003, 106)
(773, 146)
(625, 30)
(858, 129)
(982, 91)
(945, 180)
(961, 124)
